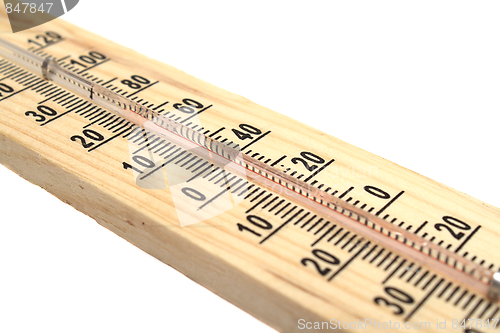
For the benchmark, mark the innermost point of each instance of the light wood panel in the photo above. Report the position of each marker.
(268, 280)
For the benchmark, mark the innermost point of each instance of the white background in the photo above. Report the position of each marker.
(414, 82)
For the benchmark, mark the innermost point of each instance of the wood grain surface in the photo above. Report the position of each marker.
(269, 279)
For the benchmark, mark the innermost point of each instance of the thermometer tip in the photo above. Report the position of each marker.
(494, 291)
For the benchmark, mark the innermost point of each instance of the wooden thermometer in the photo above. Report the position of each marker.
(213, 185)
